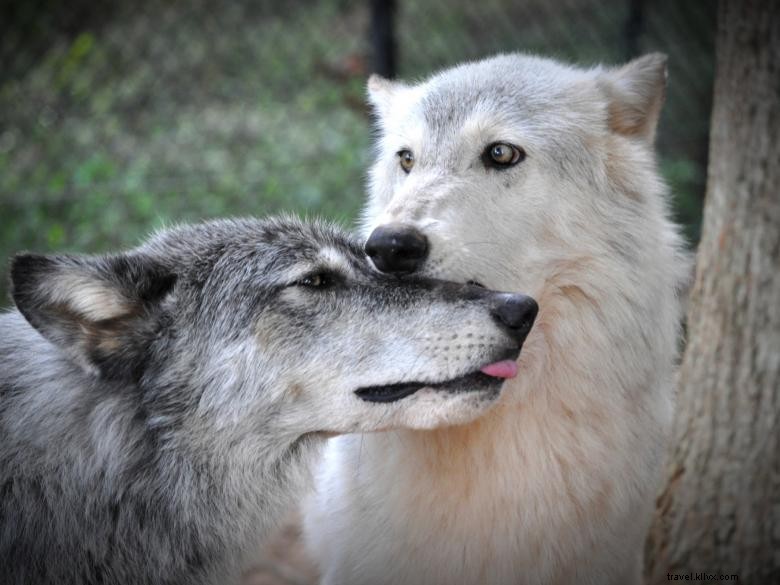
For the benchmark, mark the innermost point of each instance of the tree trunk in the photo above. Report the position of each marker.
(720, 511)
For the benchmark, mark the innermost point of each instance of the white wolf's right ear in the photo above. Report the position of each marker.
(98, 310)
(381, 93)
(636, 92)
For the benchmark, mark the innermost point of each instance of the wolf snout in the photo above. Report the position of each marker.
(397, 248)
(515, 313)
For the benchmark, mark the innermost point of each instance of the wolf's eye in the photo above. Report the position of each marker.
(500, 155)
(407, 160)
(317, 280)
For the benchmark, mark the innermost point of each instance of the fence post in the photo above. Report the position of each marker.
(383, 57)
(633, 29)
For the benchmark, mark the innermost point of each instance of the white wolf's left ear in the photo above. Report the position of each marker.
(636, 93)
(381, 93)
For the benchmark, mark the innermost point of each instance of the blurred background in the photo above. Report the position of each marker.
(120, 117)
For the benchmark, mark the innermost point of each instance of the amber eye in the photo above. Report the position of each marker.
(407, 159)
(501, 155)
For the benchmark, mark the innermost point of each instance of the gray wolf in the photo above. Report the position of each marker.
(521, 173)
(160, 408)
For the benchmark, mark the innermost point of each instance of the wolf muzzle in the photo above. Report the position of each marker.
(515, 315)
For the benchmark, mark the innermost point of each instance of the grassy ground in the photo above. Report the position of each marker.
(168, 112)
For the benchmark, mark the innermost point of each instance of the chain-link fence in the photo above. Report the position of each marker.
(116, 118)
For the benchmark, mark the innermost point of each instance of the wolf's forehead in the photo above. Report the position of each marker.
(502, 90)
(333, 250)
(336, 258)
(449, 108)
(474, 113)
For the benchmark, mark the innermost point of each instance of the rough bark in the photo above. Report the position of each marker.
(720, 511)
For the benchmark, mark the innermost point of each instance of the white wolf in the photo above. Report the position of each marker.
(521, 173)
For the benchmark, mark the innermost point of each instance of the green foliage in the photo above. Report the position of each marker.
(169, 112)
(106, 140)
(685, 178)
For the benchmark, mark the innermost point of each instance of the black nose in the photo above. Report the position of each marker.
(515, 313)
(397, 248)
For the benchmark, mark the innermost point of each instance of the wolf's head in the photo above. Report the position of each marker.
(274, 328)
(508, 170)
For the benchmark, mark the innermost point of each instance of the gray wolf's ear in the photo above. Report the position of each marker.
(636, 93)
(381, 92)
(101, 311)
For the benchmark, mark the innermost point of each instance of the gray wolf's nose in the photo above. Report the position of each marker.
(515, 313)
(397, 248)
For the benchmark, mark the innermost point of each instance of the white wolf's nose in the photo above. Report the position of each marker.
(397, 248)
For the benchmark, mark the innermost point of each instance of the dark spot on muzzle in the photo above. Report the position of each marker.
(397, 249)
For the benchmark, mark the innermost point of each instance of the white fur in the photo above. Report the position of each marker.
(555, 485)
(92, 300)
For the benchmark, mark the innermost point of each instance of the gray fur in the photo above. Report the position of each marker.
(160, 408)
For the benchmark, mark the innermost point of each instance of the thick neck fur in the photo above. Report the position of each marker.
(568, 428)
(141, 476)
(554, 485)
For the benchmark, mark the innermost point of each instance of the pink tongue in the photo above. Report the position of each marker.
(504, 369)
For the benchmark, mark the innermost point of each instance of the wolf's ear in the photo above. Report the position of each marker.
(381, 92)
(636, 93)
(101, 311)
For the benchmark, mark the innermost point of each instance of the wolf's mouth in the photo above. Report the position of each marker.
(490, 378)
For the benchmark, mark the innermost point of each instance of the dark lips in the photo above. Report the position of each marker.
(474, 382)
